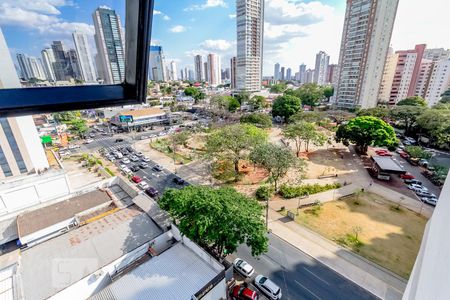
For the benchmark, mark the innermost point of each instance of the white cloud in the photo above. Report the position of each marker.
(225, 49)
(207, 4)
(232, 16)
(156, 12)
(163, 15)
(217, 45)
(166, 18)
(105, 7)
(178, 28)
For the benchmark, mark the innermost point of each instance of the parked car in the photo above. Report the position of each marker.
(268, 287)
(134, 168)
(145, 158)
(119, 140)
(136, 179)
(241, 292)
(134, 158)
(243, 267)
(414, 186)
(92, 135)
(125, 160)
(127, 171)
(404, 155)
(144, 137)
(118, 155)
(407, 176)
(382, 152)
(158, 168)
(111, 158)
(410, 181)
(423, 163)
(423, 193)
(152, 192)
(429, 200)
(139, 154)
(88, 141)
(143, 185)
(179, 180)
(129, 148)
(143, 165)
(74, 146)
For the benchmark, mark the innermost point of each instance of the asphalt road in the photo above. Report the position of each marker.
(299, 275)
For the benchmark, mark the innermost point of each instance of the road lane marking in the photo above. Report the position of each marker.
(307, 289)
(270, 246)
(324, 281)
(269, 260)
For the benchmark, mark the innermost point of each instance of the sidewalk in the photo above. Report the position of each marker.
(377, 280)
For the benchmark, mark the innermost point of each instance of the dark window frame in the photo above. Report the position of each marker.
(26, 101)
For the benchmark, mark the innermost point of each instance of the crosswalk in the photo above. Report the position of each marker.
(114, 147)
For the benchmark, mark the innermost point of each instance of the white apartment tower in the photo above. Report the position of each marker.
(322, 62)
(439, 81)
(276, 72)
(388, 77)
(48, 59)
(213, 68)
(198, 66)
(85, 60)
(110, 45)
(365, 41)
(173, 70)
(250, 31)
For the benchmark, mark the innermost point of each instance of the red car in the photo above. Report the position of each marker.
(383, 152)
(404, 155)
(136, 179)
(241, 292)
(407, 176)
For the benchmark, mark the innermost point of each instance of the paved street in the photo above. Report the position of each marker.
(301, 276)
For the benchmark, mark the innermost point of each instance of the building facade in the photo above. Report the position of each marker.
(48, 59)
(288, 74)
(198, 65)
(321, 68)
(332, 73)
(439, 81)
(250, 32)
(388, 77)
(309, 76)
(276, 72)
(173, 70)
(85, 60)
(157, 64)
(233, 72)
(110, 45)
(365, 41)
(213, 68)
(302, 73)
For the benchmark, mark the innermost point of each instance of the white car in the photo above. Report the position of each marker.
(414, 187)
(118, 155)
(74, 146)
(268, 287)
(243, 267)
(162, 133)
(125, 160)
(134, 158)
(143, 185)
(88, 141)
(127, 171)
(146, 159)
(430, 200)
(139, 154)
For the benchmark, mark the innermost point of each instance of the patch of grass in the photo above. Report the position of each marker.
(164, 146)
(371, 229)
(110, 172)
(396, 208)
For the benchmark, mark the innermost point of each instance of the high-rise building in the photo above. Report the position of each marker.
(388, 77)
(110, 45)
(423, 79)
(74, 70)
(21, 151)
(48, 59)
(332, 74)
(309, 76)
(182, 74)
(288, 74)
(24, 65)
(282, 77)
(233, 72)
(37, 69)
(61, 66)
(297, 76)
(439, 81)
(198, 65)
(250, 32)
(157, 64)
(214, 69)
(302, 73)
(227, 74)
(436, 54)
(173, 70)
(365, 41)
(276, 72)
(191, 75)
(85, 60)
(205, 71)
(321, 69)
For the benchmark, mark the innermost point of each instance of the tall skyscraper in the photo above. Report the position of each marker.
(21, 150)
(24, 65)
(110, 45)
(365, 41)
(85, 60)
(233, 72)
(332, 74)
(61, 66)
(282, 77)
(48, 59)
(74, 70)
(214, 69)
(309, 76)
(439, 81)
(388, 77)
(288, 74)
(436, 54)
(37, 69)
(250, 32)
(157, 64)
(321, 69)
(276, 72)
(191, 76)
(205, 71)
(423, 80)
(173, 70)
(198, 65)
(302, 73)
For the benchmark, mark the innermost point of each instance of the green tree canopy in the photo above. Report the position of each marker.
(304, 133)
(233, 142)
(179, 138)
(233, 104)
(286, 106)
(276, 159)
(308, 116)
(379, 112)
(406, 115)
(242, 97)
(366, 131)
(417, 152)
(78, 126)
(412, 101)
(191, 91)
(261, 120)
(328, 92)
(257, 102)
(435, 123)
(278, 88)
(310, 94)
(66, 116)
(220, 218)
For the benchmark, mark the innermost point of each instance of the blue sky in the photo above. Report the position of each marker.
(294, 29)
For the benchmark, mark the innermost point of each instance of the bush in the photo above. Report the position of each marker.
(109, 172)
(258, 119)
(417, 152)
(292, 191)
(264, 192)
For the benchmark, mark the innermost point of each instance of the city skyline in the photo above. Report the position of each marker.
(319, 24)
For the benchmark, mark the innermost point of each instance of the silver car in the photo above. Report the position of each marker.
(243, 267)
(268, 287)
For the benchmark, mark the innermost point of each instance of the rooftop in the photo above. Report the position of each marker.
(386, 163)
(177, 273)
(44, 217)
(143, 112)
(50, 267)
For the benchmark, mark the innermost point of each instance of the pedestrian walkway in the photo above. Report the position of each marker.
(377, 280)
